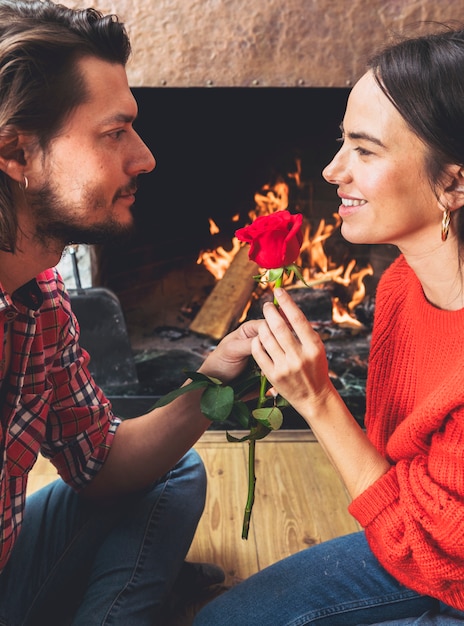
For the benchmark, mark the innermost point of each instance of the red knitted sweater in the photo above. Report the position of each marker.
(414, 514)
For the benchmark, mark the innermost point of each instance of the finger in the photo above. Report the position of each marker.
(250, 329)
(294, 315)
(260, 355)
(280, 328)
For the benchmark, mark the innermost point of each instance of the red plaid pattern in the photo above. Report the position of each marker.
(49, 401)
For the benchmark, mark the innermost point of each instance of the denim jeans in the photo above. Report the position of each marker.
(335, 583)
(76, 562)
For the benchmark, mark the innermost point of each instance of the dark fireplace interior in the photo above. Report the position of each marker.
(215, 148)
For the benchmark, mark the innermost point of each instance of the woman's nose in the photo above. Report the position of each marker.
(335, 170)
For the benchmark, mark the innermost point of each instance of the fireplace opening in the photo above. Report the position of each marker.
(215, 149)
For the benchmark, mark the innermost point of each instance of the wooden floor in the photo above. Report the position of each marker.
(299, 501)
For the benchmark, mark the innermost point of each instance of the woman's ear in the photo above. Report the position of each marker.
(453, 194)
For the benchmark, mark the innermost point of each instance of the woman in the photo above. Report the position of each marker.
(400, 177)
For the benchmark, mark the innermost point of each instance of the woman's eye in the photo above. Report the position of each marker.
(363, 151)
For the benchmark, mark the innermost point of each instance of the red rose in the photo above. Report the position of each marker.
(275, 240)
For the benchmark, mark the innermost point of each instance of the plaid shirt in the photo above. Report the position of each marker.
(49, 401)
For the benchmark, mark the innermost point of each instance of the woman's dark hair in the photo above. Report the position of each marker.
(40, 85)
(424, 79)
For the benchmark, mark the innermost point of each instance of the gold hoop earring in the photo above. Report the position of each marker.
(445, 224)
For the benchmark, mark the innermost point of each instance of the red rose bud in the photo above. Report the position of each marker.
(275, 240)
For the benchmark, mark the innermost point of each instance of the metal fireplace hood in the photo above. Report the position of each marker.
(264, 43)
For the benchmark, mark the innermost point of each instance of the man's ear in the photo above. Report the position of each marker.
(453, 194)
(12, 153)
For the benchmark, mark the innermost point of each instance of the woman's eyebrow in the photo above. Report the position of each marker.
(362, 135)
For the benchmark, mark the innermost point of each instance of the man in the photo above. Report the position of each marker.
(106, 542)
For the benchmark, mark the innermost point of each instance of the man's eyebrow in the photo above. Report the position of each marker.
(362, 135)
(118, 118)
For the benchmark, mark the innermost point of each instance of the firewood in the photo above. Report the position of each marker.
(224, 306)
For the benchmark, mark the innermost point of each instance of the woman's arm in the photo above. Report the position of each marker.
(292, 356)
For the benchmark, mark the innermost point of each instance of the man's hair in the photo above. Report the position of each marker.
(40, 85)
(423, 78)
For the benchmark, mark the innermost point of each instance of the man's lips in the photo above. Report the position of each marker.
(127, 194)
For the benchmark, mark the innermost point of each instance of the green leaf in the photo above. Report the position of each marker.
(256, 433)
(199, 376)
(275, 274)
(216, 403)
(241, 414)
(233, 439)
(270, 417)
(172, 395)
(244, 386)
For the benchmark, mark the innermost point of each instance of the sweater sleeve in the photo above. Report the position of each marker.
(414, 515)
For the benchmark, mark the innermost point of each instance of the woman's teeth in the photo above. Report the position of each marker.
(347, 202)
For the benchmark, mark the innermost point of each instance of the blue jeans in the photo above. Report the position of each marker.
(335, 583)
(85, 564)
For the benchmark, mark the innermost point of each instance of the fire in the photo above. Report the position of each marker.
(317, 268)
(217, 261)
(270, 200)
(213, 227)
(342, 317)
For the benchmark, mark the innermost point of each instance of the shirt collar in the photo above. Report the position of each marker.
(28, 295)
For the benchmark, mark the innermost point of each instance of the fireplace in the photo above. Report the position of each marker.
(215, 149)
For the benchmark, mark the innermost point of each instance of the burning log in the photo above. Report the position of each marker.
(224, 306)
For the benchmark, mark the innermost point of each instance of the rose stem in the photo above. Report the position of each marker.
(252, 451)
(251, 464)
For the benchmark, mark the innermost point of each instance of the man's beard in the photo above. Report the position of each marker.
(56, 224)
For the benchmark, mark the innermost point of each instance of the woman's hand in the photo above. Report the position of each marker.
(291, 354)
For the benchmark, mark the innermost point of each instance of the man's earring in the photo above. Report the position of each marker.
(23, 186)
(445, 224)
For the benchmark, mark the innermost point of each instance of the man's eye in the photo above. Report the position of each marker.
(116, 134)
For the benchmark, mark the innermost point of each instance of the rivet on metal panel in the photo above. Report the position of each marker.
(256, 81)
(164, 82)
(209, 82)
(301, 81)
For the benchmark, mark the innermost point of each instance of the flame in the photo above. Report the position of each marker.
(217, 261)
(213, 227)
(342, 317)
(270, 200)
(313, 247)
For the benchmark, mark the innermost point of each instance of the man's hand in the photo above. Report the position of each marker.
(231, 356)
